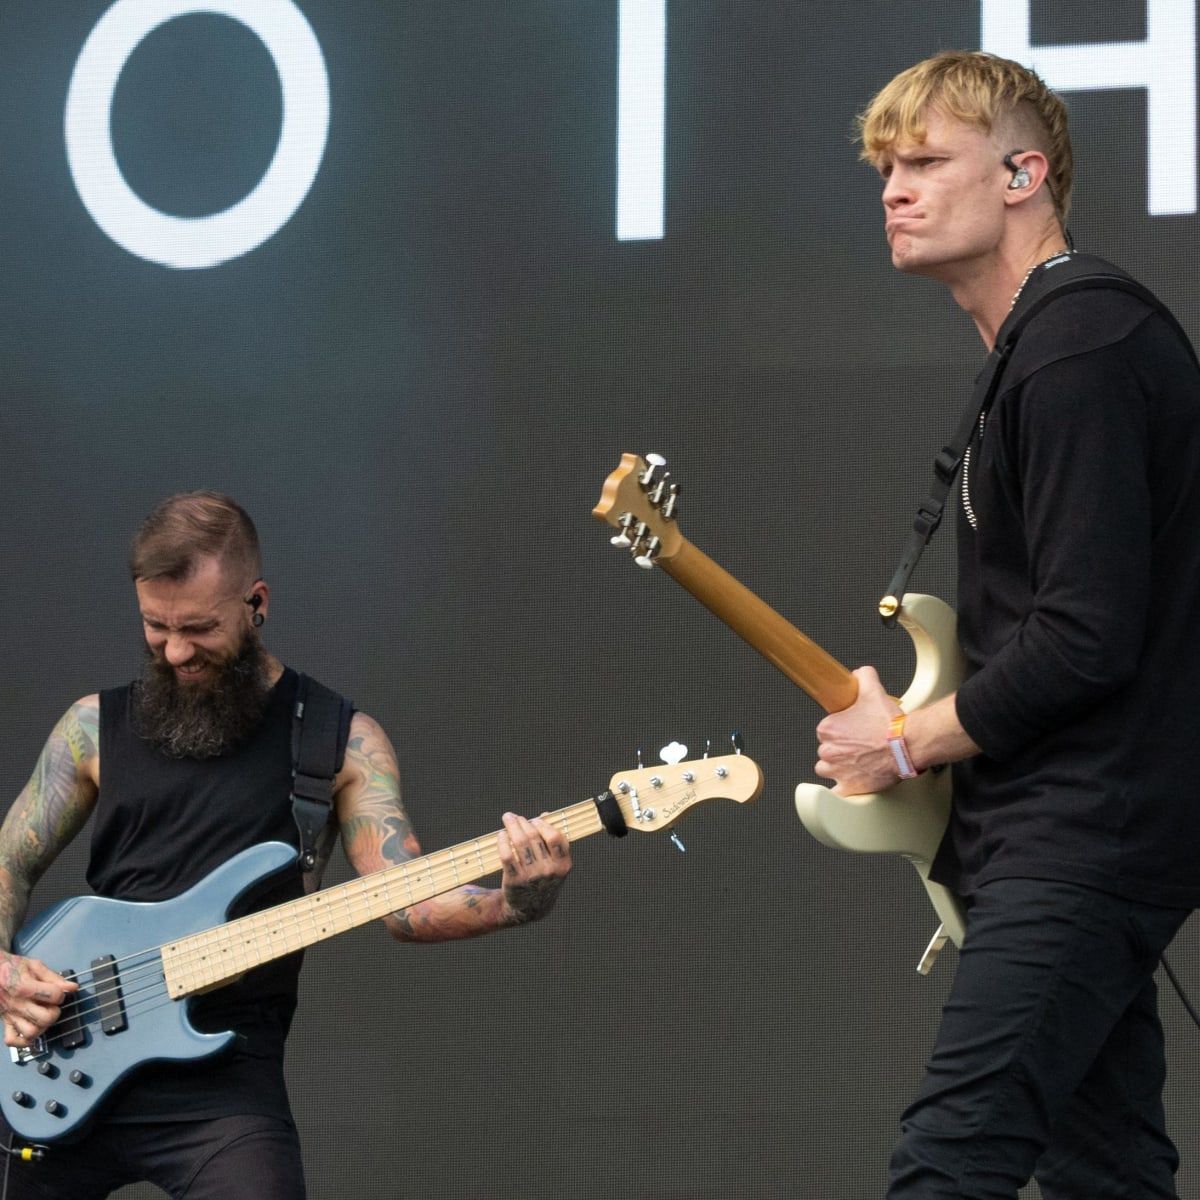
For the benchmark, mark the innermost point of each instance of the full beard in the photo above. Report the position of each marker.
(202, 720)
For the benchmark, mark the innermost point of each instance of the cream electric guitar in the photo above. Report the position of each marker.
(639, 500)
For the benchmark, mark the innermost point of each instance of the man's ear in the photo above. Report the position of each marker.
(258, 600)
(1029, 170)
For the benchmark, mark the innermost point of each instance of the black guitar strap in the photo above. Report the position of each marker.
(320, 731)
(1077, 274)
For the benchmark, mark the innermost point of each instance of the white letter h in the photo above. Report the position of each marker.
(1164, 64)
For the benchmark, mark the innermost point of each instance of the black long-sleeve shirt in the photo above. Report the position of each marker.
(1079, 610)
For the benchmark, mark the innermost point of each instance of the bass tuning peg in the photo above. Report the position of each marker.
(673, 752)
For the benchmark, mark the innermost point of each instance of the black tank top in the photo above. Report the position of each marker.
(161, 825)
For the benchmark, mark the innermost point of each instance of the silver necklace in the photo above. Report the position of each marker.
(1066, 250)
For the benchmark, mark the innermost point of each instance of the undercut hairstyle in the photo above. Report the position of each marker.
(191, 526)
(978, 89)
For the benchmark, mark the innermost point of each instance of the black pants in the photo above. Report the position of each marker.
(1049, 1058)
(233, 1158)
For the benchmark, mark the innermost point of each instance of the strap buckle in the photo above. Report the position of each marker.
(929, 517)
(945, 465)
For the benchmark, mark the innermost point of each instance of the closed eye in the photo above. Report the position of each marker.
(186, 630)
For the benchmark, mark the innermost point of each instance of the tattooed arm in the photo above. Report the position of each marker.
(376, 833)
(49, 812)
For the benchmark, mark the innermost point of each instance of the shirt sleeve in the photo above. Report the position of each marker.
(1075, 436)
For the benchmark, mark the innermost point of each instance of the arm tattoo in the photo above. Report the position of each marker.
(49, 812)
(378, 828)
(533, 900)
(377, 833)
(53, 813)
(81, 730)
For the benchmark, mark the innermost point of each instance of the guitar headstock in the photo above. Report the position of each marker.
(639, 500)
(653, 798)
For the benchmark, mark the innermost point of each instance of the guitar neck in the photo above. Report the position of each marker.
(207, 960)
(776, 639)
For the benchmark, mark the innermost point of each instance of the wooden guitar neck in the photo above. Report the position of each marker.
(829, 683)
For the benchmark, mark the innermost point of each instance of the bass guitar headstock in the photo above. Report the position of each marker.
(653, 798)
(639, 500)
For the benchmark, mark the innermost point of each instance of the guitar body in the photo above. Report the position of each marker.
(152, 1027)
(639, 500)
(909, 818)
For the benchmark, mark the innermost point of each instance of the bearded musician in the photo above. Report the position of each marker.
(179, 771)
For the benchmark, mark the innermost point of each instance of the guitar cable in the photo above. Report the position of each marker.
(32, 1153)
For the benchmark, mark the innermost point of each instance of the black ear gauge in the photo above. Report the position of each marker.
(255, 601)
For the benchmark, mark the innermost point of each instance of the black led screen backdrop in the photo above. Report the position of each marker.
(361, 263)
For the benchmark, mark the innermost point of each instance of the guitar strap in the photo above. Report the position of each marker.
(1077, 273)
(320, 730)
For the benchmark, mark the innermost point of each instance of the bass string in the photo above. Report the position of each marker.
(292, 921)
(568, 820)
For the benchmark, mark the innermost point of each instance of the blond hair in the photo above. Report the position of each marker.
(978, 89)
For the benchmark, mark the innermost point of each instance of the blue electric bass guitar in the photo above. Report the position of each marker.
(639, 499)
(138, 963)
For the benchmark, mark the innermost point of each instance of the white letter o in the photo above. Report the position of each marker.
(196, 242)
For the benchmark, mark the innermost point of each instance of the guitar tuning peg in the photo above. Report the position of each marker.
(668, 508)
(623, 539)
(639, 758)
(649, 551)
(738, 745)
(655, 468)
(645, 546)
(707, 746)
(660, 489)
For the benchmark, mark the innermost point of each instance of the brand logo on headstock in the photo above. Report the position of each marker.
(686, 800)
